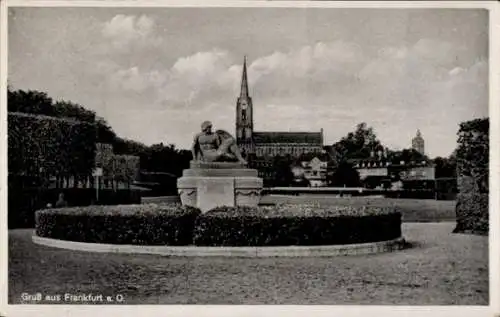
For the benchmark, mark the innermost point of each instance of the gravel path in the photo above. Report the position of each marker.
(440, 269)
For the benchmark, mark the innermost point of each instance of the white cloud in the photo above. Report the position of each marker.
(125, 31)
(326, 85)
(456, 71)
(309, 62)
(133, 80)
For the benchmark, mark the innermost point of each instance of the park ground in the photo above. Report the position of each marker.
(439, 268)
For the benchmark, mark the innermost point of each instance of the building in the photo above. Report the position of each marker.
(418, 143)
(269, 143)
(418, 173)
(371, 168)
(315, 171)
(377, 171)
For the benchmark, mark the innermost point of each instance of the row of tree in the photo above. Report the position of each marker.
(58, 138)
(44, 136)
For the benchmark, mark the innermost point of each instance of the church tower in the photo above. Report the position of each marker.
(418, 143)
(244, 115)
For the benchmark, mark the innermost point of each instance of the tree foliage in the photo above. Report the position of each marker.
(472, 154)
(60, 137)
(344, 175)
(125, 168)
(407, 156)
(358, 144)
(446, 167)
(282, 168)
(39, 103)
(105, 133)
(34, 102)
(40, 144)
(47, 137)
(167, 159)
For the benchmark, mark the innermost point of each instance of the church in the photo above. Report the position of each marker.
(269, 144)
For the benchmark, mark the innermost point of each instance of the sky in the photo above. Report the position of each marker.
(156, 73)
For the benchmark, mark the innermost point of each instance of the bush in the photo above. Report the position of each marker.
(473, 171)
(57, 146)
(22, 203)
(296, 225)
(472, 213)
(472, 154)
(133, 224)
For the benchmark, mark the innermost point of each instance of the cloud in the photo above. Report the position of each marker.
(325, 85)
(125, 31)
(456, 71)
(212, 76)
(132, 79)
(310, 68)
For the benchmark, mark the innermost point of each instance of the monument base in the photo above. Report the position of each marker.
(209, 185)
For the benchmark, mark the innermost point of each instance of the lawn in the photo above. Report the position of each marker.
(440, 269)
(412, 210)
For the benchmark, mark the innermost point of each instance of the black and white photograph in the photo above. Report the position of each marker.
(257, 154)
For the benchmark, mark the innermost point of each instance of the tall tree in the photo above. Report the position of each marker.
(344, 175)
(105, 133)
(282, 170)
(358, 144)
(33, 102)
(446, 167)
(407, 156)
(128, 147)
(68, 109)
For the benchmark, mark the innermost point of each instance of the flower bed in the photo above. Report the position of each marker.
(128, 224)
(296, 225)
(174, 224)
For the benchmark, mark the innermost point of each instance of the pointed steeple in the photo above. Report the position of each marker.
(419, 135)
(244, 80)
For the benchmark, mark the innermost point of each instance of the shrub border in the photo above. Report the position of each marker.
(171, 227)
(192, 238)
(245, 252)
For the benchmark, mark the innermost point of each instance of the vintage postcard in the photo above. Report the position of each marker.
(249, 157)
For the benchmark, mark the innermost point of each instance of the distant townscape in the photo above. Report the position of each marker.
(311, 160)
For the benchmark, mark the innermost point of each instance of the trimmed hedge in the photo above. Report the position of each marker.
(58, 146)
(132, 224)
(23, 202)
(472, 213)
(296, 225)
(473, 177)
(173, 224)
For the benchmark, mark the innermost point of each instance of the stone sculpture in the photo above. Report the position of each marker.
(218, 175)
(215, 147)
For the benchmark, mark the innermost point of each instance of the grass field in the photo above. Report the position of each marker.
(413, 210)
(440, 269)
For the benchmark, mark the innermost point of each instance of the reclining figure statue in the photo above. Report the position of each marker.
(215, 147)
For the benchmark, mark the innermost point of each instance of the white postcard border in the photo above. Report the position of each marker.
(270, 310)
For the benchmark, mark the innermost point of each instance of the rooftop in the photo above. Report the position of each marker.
(288, 137)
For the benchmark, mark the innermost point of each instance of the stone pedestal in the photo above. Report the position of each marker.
(210, 185)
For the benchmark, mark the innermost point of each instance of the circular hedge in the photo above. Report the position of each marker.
(128, 224)
(296, 225)
(164, 224)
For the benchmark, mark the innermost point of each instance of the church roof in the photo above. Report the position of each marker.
(288, 137)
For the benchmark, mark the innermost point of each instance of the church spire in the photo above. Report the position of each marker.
(244, 80)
